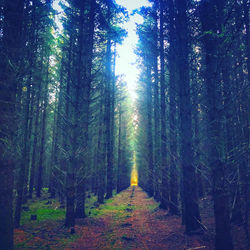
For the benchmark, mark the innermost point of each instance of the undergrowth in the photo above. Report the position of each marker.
(48, 229)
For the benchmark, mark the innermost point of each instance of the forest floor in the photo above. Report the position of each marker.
(129, 220)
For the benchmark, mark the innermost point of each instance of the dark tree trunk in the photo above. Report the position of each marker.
(112, 122)
(70, 132)
(101, 155)
(165, 182)
(81, 185)
(192, 213)
(119, 164)
(43, 135)
(29, 146)
(243, 169)
(107, 116)
(247, 36)
(150, 167)
(53, 156)
(174, 187)
(223, 238)
(70, 197)
(81, 124)
(12, 27)
(55, 162)
(33, 47)
(157, 151)
(37, 94)
(23, 165)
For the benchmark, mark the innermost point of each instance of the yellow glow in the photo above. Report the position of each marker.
(134, 177)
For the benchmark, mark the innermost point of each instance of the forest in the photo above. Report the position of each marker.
(83, 165)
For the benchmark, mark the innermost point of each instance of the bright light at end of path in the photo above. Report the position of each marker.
(134, 177)
(134, 173)
(126, 60)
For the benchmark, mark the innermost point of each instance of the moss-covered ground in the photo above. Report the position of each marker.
(129, 220)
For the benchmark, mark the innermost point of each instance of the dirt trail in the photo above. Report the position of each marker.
(131, 220)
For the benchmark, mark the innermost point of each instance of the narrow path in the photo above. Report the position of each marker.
(131, 220)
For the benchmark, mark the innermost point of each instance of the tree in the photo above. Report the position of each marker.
(11, 44)
(208, 12)
(173, 80)
(164, 166)
(192, 213)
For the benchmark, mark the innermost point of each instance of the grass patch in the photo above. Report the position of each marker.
(43, 215)
(152, 207)
(43, 210)
(108, 209)
(90, 200)
(117, 211)
(109, 201)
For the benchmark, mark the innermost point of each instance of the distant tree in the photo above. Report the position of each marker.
(147, 32)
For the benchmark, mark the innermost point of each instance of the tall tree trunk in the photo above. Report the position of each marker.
(23, 165)
(174, 187)
(37, 94)
(55, 167)
(247, 36)
(192, 213)
(13, 18)
(119, 160)
(33, 47)
(164, 168)
(150, 163)
(80, 122)
(101, 153)
(43, 135)
(107, 117)
(53, 156)
(84, 118)
(112, 123)
(70, 141)
(157, 151)
(244, 172)
(223, 238)
(29, 147)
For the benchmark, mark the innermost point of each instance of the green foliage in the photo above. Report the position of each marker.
(44, 212)
(117, 211)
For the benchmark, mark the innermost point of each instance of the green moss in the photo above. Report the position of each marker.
(153, 206)
(117, 211)
(109, 201)
(43, 211)
(43, 214)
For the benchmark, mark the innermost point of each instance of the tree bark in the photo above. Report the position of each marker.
(223, 238)
(192, 213)
(34, 149)
(107, 116)
(13, 18)
(164, 168)
(150, 163)
(174, 187)
(43, 135)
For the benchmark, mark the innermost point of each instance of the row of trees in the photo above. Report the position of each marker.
(65, 115)
(193, 136)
